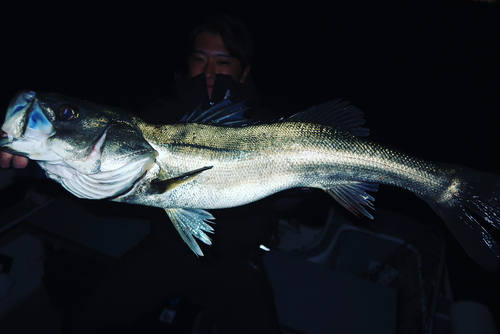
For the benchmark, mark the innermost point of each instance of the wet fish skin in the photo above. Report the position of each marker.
(253, 162)
(340, 164)
(215, 159)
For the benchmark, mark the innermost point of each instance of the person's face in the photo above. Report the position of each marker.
(211, 57)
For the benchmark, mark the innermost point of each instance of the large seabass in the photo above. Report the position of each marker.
(217, 159)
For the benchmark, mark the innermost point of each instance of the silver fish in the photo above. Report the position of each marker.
(217, 159)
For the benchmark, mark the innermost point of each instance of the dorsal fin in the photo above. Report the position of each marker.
(223, 113)
(337, 113)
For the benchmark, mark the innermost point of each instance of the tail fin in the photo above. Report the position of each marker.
(473, 199)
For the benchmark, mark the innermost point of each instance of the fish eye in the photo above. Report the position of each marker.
(68, 112)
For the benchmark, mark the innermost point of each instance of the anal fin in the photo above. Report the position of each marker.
(354, 198)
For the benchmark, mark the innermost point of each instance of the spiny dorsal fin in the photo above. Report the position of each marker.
(223, 113)
(337, 113)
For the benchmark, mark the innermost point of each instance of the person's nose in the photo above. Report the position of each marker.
(210, 70)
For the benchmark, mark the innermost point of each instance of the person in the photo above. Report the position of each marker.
(230, 281)
(216, 63)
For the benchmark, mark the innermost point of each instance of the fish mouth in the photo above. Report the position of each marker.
(14, 125)
(26, 127)
(4, 145)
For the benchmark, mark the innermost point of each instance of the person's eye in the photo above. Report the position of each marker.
(223, 62)
(197, 59)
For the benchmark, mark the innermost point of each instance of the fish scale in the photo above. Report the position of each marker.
(244, 157)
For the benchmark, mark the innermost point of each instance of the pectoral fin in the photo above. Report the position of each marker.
(162, 186)
(353, 197)
(192, 222)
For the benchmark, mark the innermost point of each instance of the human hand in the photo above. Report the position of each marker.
(18, 161)
(6, 159)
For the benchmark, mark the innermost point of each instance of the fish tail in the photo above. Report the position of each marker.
(470, 206)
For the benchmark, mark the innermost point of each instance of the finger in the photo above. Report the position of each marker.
(5, 159)
(19, 161)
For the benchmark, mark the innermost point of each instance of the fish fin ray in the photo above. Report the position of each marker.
(161, 186)
(473, 237)
(338, 113)
(473, 200)
(222, 113)
(191, 223)
(354, 198)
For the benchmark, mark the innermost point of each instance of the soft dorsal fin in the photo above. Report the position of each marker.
(223, 113)
(337, 113)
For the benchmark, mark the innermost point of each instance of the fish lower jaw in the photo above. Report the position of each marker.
(31, 148)
(101, 185)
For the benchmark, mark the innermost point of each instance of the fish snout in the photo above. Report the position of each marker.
(17, 113)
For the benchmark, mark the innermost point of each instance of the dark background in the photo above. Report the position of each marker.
(426, 75)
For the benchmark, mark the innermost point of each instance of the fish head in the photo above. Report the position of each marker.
(75, 139)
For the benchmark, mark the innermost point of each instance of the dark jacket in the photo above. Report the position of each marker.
(186, 95)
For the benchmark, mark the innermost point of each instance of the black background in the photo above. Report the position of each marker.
(426, 74)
